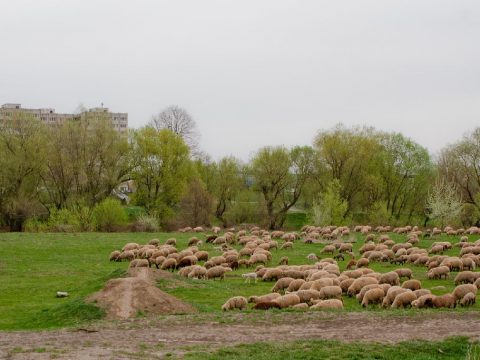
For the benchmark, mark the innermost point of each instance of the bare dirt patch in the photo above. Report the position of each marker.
(124, 298)
(154, 337)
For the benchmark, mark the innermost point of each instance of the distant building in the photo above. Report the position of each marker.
(50, 117)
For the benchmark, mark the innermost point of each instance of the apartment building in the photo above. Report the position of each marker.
(50, 117)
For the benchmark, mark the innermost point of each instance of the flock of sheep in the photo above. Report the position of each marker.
(319, 283)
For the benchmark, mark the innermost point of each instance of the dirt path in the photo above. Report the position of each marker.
(152, 338)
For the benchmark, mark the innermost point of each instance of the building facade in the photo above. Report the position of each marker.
(50, 117)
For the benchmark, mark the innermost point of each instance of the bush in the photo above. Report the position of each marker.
(146, 223)
(331, 208)
(35, 225)
(109, 215)
(379, 214)
(62, 220)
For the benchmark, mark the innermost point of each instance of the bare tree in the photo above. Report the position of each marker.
(444, 204)
(179, 121)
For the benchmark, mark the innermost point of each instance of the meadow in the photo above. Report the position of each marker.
(34, 266)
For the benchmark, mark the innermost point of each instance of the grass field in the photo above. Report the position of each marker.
(34, 266)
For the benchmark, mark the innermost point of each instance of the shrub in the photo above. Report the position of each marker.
(379, 214)
(62, 220)
(146, 223)
(35, 225)
(109, 215)
(331, 208)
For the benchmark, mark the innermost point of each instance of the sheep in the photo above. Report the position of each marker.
(115, 255)
(423, 301)
(283, 260)
(187, 261)
(266, 305)
(461, 290)
(263, 298)
(373, 296)
(391, 278)
(465, 277)
(201, 255)
(295, 285)
(258, 259)
(236, 302)
(444, 301)
(412, 285)
(331, 292)
(392, 294)
(301, 306)
(140, 263)
(312, 257)
(198, 272)
(363, 262)
(130, 246)
(468, 299)
(468, 263)
(296, 274)
(327, 304)
(477, 283)
(351, 264)
(287, 300)
(404, 272)
(171, 241)
(272, 274)
(404, 299)
(128, 255)
(307, 295)
(169, 264)
(217, 272)
(249, 277)
(158, 261)
(421, 292)
(364, 290)
(345, 284)
(359, 283)
(438, 272)
(282, 284)
(287, 245)
(328, 249)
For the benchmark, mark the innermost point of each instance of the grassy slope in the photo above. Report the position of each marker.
(34, 266)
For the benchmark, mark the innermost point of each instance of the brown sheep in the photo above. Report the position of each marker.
(287, 300)
(359, 283)
(283, 260)
(296, 274)
(345, 284)
(468, 299)
(373, 296)
(272, 274)
(258, 259)
(237, 302)
(263, 298)
(327, 304)
(217, 272)
(201, 255)
(404, 299)
(187, 261)
(331, 292)
(169, 264)
(439, 272)
(266, 305)
(287, 245)
(421, 292)
(308, 295)
(352, 263)
(412, 285)
(198, 272)
(444, 301)
(282, 284)
(301, 306)
(424, 301)
(295, 285)
(392, 294)
(466, 277)
(391, 278)
(130, 246)
(115, 255)
(462, 290)
(363, 262)
(404, 272)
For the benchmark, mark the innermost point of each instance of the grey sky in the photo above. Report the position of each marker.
(252, 73)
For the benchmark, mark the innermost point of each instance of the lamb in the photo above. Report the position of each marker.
(236, 302)
(287, 300)
(263, 298)
(287, 245)
(391, 278)
(331, 292)
(412, 285)
(283, 260)
(373, 296)
(282, 284)
(439, 272)
(266, 305)
(444, 301)
(404, 273)
(198, 272)
(465, 277)
(461, 290)
(169, 264)
(468, 299)
(327, 304)
(404, 299)
(217, 272)
(249, 277)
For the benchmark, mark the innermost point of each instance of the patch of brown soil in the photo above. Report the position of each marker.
(125, 297)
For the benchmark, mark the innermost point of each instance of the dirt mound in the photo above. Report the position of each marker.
(123, 298)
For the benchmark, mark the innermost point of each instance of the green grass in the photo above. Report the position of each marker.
(33, 267)
(295, 220)
(453, 348)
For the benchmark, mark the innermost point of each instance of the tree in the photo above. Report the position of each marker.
(161, 170)
(196, 206)
(444, 204)
(279, 174)
(330, 209)
(179, 121)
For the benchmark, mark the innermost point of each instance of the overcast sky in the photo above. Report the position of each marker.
(252, 73)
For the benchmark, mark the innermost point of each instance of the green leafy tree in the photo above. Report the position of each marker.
(330, 208)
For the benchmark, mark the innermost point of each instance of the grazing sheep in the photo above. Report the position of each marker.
(237, 302)
(258, 259)
(287, 300)
(308, 295)
(115, 255)
(187, 261)
(363, 262)
(250, 276)
(130, 246)
(272, 274)
(468, 299)
(197, 272)
(412, 285)
(466, 277)
(439, 272)
(462, 290)
(282, 284)
(359, 283)
(345, 284)
(404, 273)
(263, 298)
(421, 292)
(312, 257)
(295, 285)
(331, 292)
(404, 299)
(444, 301)
(373, 296)
(351, 264)
(392, 294)
(477, 283)
(283, 260)
(266, 305)
(217, 272)
(391, 278)
(169, 264)
(287, 245)
(328, 249)
(171, 241)
(301, 306)
(327, 304)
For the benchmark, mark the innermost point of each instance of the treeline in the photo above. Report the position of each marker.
(67, 178)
